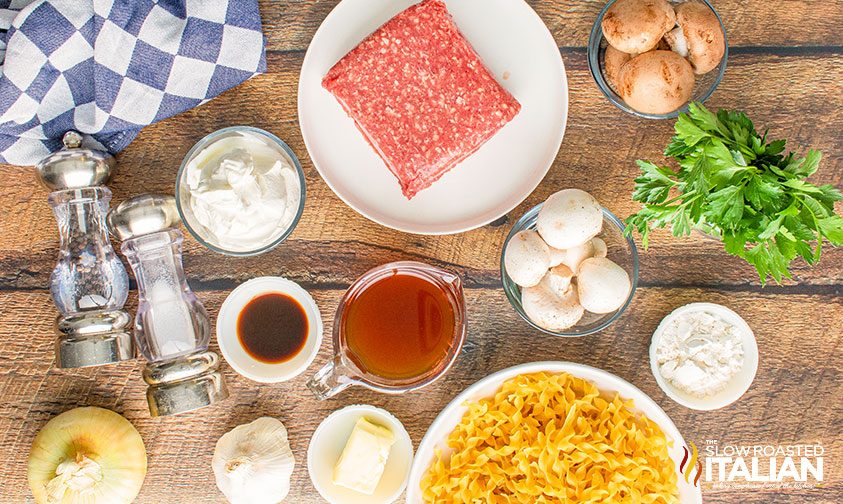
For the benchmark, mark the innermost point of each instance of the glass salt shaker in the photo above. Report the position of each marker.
(172, 328)
(89, 284)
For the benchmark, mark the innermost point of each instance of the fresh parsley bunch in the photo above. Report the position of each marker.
(734, 185)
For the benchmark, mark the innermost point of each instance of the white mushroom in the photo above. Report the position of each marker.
(603, 286)
(559, 279)
(600, 249)
(549, 311)
(637, 26)
(699, 36)
(575, 255)
(656, 82)
(572, 257)
(557, 256)
(569, 218)
(527, 258)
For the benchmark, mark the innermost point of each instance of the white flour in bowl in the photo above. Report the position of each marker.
(699, 353)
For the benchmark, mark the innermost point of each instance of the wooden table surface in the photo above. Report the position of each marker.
(784, 71)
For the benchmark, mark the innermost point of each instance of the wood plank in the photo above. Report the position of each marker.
(27, 253)
(772, 411)
(748, 22)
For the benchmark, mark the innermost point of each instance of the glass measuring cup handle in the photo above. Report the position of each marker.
(333, 378)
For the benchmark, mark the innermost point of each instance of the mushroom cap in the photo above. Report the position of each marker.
(527, 258)
(602, 285)
(703, 35)
(550, 311)
(636, 26)
(613, 60)
(656, 82)
(569, 218)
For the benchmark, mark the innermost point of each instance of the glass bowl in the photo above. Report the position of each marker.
(621, 249)
(196, 229)
(703, 87)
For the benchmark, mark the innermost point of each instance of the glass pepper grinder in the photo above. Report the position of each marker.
(89, 284)
(172, 328)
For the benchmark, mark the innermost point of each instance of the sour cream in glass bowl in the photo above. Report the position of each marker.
(240, 191)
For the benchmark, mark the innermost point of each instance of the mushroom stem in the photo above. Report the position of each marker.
(676, 39)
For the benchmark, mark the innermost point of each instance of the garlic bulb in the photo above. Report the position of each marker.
(253, 463)
(87, 455)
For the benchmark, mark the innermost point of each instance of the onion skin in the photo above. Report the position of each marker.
(99, 434)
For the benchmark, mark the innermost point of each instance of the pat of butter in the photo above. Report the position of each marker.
(363, 459)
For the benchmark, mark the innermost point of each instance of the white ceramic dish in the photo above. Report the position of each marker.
(452, 414)
(739, 384)
(327, 445)
(519, 50)
(233, 351)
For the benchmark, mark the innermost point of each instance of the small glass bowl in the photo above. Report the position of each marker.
(703, 88)
(621, 249)
(183, 193)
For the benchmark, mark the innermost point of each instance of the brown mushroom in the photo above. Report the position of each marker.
(637, 26)
(613, 60)
(699, 36)
(656, 82)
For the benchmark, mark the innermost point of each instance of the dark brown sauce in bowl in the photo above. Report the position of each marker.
(272, 328)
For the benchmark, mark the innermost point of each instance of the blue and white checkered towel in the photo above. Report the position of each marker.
(107, 68)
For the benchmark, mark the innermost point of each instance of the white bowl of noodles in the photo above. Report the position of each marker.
(608, 384)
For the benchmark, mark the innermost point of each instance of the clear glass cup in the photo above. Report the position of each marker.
(342, 372)
(171, 322)
(183, 192)
(703, 87)
(620, 249)
(88, 276)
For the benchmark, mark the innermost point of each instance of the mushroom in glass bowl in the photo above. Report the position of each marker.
(624, 59)
(589, 277)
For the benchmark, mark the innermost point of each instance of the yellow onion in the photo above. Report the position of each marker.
(87, 456)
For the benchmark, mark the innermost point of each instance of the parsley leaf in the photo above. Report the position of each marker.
(654, 185)
(736, 185)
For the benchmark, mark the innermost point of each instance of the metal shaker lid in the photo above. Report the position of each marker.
(144, 214)
(94, 339)
(185, 384)
(75, 167)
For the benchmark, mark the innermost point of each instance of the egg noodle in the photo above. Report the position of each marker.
(553, 438)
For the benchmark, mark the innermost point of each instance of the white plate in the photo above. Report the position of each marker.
(452, 414)
(327, 445)
(236, 355)
(512, 41)
(739, 384)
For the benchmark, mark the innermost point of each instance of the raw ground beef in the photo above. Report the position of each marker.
(420, 95)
